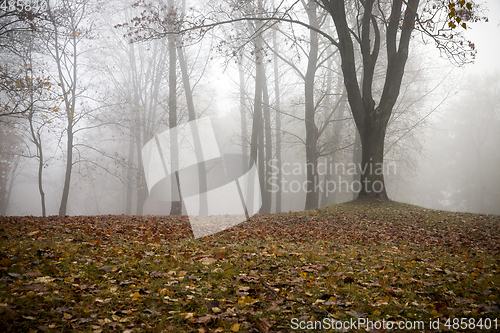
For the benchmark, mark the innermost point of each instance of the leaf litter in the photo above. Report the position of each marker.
(147, 274)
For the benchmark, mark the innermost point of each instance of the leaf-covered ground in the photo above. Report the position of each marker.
(381, 263)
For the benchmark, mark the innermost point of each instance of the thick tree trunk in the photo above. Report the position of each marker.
(372, 161)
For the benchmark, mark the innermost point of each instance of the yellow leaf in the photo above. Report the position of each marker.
(434, 313)
(376, 313)
(235, 327)
(246, 300)
(67, 316)
(136, 295)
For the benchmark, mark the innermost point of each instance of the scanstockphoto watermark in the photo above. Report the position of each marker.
(355, 324)
(330, 177)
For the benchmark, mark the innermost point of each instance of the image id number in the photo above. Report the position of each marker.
(23, 5)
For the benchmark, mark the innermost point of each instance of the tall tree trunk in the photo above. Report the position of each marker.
(130, 180)
(142, 191)
(311, 128)
(40, 175)
(68, 93)
(176, 206)
(261, 169)
(278, 123)
(70, 103)
(202, 172)
(136, 129)
(243, 114)
(257, 128)
(36, 137)
(69, 166)
(267, 198)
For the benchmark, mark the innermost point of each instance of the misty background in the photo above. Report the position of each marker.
(442, 139)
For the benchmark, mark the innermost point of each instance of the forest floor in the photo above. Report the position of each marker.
(355, 266)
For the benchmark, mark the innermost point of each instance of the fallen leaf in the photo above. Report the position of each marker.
(235, 327)
(263, 325)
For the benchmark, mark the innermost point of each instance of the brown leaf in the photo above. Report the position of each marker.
(204, 320)
(220, 255)
(105, 268)
(5, 262)
(33, 274)
(263, 325)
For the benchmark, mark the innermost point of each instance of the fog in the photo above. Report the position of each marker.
(135, 92)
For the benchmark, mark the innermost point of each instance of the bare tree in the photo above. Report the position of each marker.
(64, 39)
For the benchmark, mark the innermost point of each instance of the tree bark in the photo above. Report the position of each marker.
(176, 206)
(267, 198)
(312, 134)
(357, 158)
(372, 165)
(257, 137)
(129, 182)
(243, 114)
(202, 172)
(278, 123)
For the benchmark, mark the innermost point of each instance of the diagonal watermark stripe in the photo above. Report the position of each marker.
(232, 191)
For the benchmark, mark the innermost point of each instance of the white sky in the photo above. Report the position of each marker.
(486, 36)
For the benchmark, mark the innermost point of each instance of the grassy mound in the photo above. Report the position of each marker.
(362, 262)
